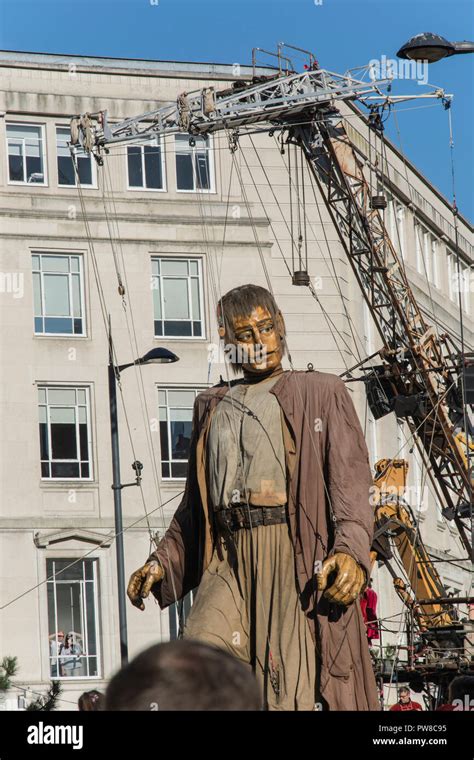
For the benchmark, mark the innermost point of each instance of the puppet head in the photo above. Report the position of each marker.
(253, 329)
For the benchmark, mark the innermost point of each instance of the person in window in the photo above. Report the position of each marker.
(181, 448)
(71, 656)
(56, 645)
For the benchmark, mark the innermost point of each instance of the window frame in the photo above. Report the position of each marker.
(144, 189)
(427, 254)
(210, 151)
(462, 280)
(200, 277)
(20, 183)
(418, 229)
(197, 390)
(395, 225)
(80, 255)
(434, 252)
(468, 277)
(69, 479)
(96, 585)
(400, 217)
(94, 185)
(451, 264)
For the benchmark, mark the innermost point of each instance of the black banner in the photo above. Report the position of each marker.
(143, 735)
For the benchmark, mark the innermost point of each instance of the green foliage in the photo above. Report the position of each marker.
(47, 702)
(8, 669)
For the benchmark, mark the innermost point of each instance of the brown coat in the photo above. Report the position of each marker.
(328, 478)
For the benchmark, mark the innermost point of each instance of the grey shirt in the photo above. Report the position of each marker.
(245, 450)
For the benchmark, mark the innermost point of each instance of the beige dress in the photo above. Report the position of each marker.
(253, 610)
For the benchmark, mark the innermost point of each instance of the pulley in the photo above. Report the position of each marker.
(378, 202)
(300, 278)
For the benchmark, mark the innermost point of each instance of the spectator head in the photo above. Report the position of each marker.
(60, 635)
(404, 694)
(184, 675)
(91, 701)
(69, 640)
(461, 688)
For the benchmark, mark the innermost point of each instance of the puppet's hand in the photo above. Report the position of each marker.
(350, 578)
(141, 582)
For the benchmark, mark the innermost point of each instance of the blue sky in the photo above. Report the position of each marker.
(341, 33)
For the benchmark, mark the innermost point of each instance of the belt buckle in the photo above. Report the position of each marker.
(234, 519)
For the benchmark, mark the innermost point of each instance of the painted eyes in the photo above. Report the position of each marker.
(247, 335)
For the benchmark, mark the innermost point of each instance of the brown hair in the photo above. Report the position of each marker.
(460, 687)
(91, 701)
(184, 675)
(240, 302)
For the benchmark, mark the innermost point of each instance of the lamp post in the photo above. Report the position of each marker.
(432, 47)
(155, 356)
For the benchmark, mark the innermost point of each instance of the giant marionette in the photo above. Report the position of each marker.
(275, 526)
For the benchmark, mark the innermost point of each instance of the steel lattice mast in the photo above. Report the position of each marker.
(419, 368)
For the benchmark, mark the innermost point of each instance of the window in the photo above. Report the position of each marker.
(426, 254)
(146, 166)
(193, 163)
(452, 275)
(400, 216)
(434, 261)
(417, 471)
(396, 217)
(64, 427)
(25, 144)
(73, 609)
(460, 281)
(176, 417)
(66, 172)
(466, 279)
(418, 249)
(401, 439)
(177, 297)
(58, 294)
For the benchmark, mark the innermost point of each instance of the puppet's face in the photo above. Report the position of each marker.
(258, 341)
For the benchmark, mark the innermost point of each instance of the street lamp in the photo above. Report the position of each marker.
(155, 356)
(432, 47)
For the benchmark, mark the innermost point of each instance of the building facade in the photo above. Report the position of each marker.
(149, 242)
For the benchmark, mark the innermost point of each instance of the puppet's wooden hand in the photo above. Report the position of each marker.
(349, 580)
(141, 582)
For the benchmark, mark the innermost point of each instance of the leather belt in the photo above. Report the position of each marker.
(239, 516)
